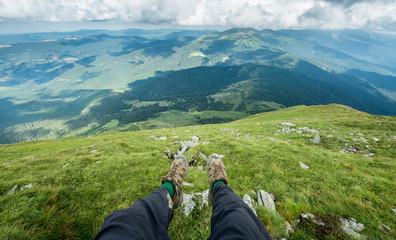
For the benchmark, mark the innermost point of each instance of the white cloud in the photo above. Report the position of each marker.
(274, 14)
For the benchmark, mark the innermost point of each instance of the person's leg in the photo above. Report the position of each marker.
(149, 218)
(231, 218)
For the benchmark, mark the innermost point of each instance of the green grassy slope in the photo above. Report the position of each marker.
(72, 201)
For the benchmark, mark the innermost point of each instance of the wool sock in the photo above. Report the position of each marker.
(214, 185)
(169, 186)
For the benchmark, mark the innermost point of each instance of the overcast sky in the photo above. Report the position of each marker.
(259, 14)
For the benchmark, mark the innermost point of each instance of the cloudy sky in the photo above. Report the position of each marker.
(259, 14)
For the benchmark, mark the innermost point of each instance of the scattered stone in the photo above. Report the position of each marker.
(93, 145)
(185, 146)
(175, 137)
(249, 202)
(93, 151)
(34, 157)
(162, 138)
(67, 164)
(264, 199)
(288, 124)
(351, 227)
(195, 138)
(200, 168)
(342, 151)
(289, 228)
(353, 149)
(329, 136)
(368, 147)
(375, 139)
(271, 139)
(26, 186)
(394, 210)
(311, 218)
(303, 165)
(97, 162)
(13, 189)
(316, 139)
(189, 201)
(188, 184)
(364, 140)
(205, 142)
(360, 134)
(369, 154)
(203, 156)
(6, 163)
(386, 227)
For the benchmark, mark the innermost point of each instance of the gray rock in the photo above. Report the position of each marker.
(288, 124)
(13, 189)
(271, 139)
(200, 168)
(185, 146)
(368, 147)
(364, 140)
(190, 201)
(26, 186)
(351, 227)
(352, 224)
(93, 151)
(311, 218)
(203, 156)
(194, 138)
(303, 165)
(162, 138)
(394, 210)
(351, 233)
(202, 198)
(6, 163)
(386, 227)
(289, 228)
(264, 199)
(316, 139)
(375, 139)
(248, 200)
(67, 164)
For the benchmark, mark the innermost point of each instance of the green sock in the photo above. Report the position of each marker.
(214, 185)
(169, 186)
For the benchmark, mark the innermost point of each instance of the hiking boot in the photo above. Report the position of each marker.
(177, 173)
(216, 172)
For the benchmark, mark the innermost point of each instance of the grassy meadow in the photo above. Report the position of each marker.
(78, 181)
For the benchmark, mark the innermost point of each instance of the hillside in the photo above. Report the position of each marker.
(77, 181)
(55, 85)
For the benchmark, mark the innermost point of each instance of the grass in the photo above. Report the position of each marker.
(71, 202)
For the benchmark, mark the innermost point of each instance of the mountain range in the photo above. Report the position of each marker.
(81, 83)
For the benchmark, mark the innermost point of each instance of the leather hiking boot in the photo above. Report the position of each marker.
(177, 173)
(216, 172)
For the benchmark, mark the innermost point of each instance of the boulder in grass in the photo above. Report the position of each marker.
(265, 199)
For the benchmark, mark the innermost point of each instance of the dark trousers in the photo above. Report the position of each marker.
(149, 218)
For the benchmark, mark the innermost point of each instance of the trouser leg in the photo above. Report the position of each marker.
(232, 218)
(147, 218)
